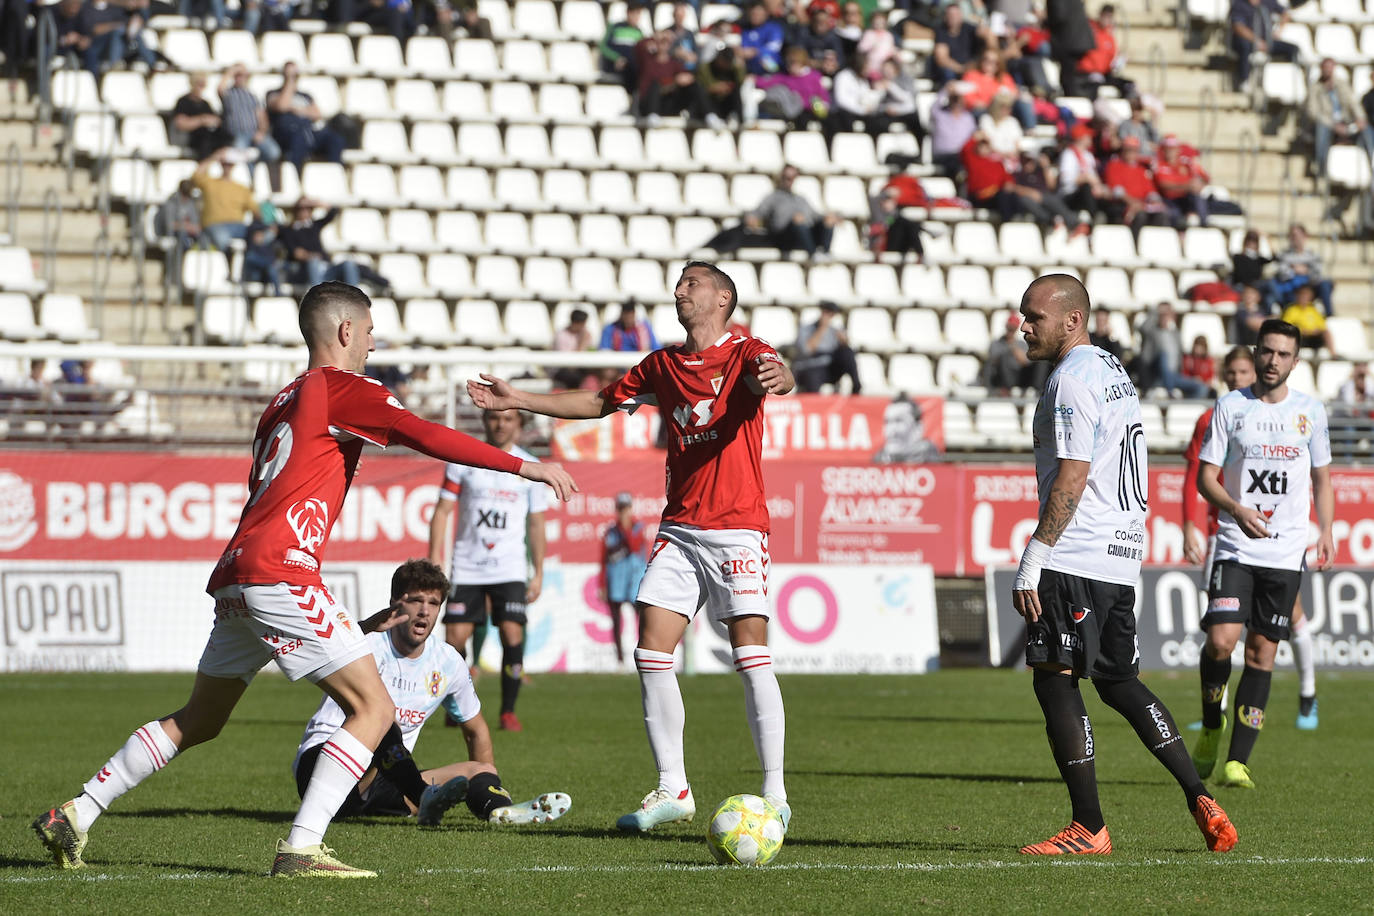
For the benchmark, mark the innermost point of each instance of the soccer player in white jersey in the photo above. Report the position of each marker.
(500, 536)
(270, 602)
(421, 675)
(1076, 583)
(1272, 442)
(712, 544)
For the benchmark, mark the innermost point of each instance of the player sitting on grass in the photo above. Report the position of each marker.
(422, 674)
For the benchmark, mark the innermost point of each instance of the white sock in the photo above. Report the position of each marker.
(763, 706)
(1301, 642)
(664, 717)
(340, 765)
(147, 751)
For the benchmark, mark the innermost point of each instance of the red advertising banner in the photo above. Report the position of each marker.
(958, 518)
(813, 427)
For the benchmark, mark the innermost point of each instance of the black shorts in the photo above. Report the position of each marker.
(380, 799)
(1085, 626)
(1259, 597)
(468, 603)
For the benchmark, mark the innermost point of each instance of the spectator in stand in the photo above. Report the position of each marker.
(1161, 356)
(33, 393)
(575, 338)
(1080, 186)
(1100, 66)
(1333, 114)
(223, 202)
(1247, 267)
(1251, 312)
(721, 79)
(1002, 129)
(850, 28)
(194, 117)
(791, 221)
(1367, 106)
(957, 43)
(877, 43)
(823, 353)
(268, 15)
(618, 46)
(1252, 24)
(104, 33)
(684, 37)
(1356, 390)
(211, 12)
(1299, 266)
(990, 79)
(1198, 364)
(627, 334)
(1140, 126)
(293, 115)
(260, 264)
(666, 86)
(855, 98)
(1034, 186)
(1306, 315)
(822, 43)
(1180, 180)
(73, 36)
(1101, 335)
(1007, 365)
(1134, 201)
(951, 127)
(898, 104)
(178, 220)
(797, 94)
(988, 183)
(1072, 37)
(1028, 48)
(245, 120)
(392, 17)
(469, 21)
(1106, 141)
(761, 40)
(14, 40)
(307, 260)
(888, 229)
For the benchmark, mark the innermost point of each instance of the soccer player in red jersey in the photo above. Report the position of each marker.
(270, 602)
(712, 544)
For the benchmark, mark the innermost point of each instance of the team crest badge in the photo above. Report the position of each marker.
(1252, 716)
(716, 381)
(436, 683)
(344, 621)
(1303, 424)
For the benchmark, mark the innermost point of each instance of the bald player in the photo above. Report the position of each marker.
(1076, 583)
(270, 602)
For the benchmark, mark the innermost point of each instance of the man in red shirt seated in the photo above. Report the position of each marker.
(1098, 66)
(1134, 200)
(988, 181)
(1179, 178)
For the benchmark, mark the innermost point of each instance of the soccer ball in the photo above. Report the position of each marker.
(745, 830)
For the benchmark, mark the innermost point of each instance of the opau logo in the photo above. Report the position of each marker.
(18, 521)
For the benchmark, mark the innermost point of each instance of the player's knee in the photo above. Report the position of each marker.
(195, 728)
(1219, 646)
(1259, 653)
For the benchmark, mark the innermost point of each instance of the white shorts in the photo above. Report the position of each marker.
(726, 570)
(301, 626)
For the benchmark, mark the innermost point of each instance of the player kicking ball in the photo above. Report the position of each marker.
(712, 544)
(421, 675)
(1076, 583)
(270, 602)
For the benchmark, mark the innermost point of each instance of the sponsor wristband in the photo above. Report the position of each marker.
(1036, 555)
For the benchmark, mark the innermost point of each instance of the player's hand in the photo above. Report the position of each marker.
(1027, 604)
(534, 588)
(491, 393)
(552, 474)
(1194, 545)
(1251, 522)
(1326, 551)
(385, 619)
(772, 376)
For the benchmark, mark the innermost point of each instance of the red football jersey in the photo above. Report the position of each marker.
(305, 452)
(715, 429)
(1196, 509)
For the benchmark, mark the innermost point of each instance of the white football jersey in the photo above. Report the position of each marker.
(493, 513)
(1266, 453)
(418, 686)
(1089, 411)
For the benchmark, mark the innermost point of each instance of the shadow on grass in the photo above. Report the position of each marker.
(965, 777)
(96, 867)
(250, 814)
(945, 720)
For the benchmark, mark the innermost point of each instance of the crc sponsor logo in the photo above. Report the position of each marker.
(18, 517)
(1223, 604)
(1270, 452)
(45, 609)
(1270, 483)
(729, 569)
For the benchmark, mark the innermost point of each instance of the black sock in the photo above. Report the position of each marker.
(1215, 674)
(394, 764)
(1252, 694)
(1156, 728)
(485, 795)
(512, 669)
(1071, 742)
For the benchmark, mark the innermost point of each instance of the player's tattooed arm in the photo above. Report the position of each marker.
(1062, 503)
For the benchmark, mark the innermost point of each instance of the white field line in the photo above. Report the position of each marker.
(917, 867)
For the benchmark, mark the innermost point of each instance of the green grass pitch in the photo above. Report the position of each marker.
(909, 793)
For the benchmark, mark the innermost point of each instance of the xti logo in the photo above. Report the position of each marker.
(1270, 483)
(491, 518)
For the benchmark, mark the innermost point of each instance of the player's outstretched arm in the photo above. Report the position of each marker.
(773, 377)
(1326, 513)
(383, 620)
(446, 444)
(497, 394)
